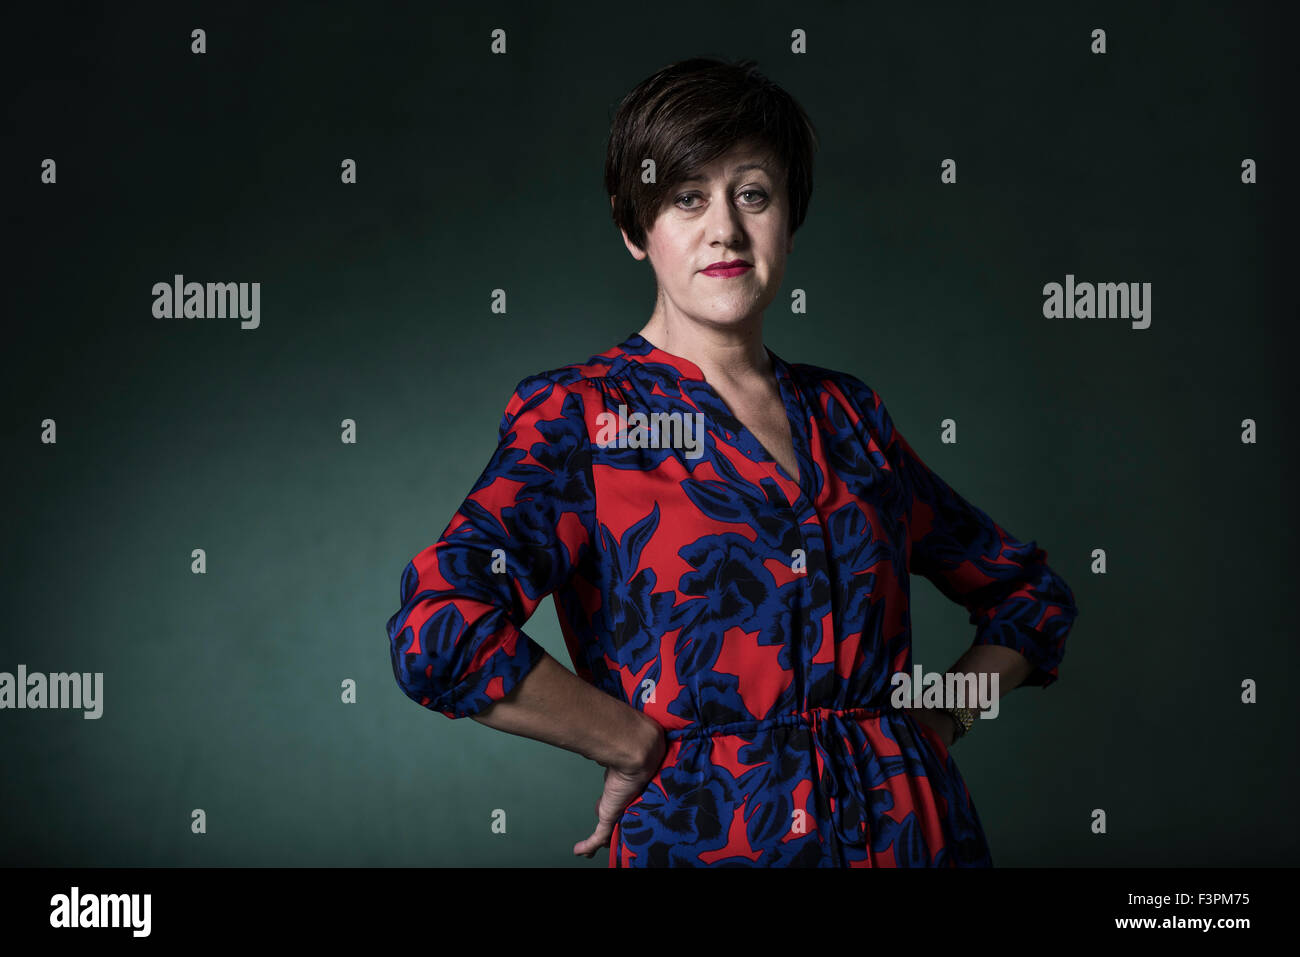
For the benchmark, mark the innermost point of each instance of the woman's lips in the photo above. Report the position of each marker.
(727, 270)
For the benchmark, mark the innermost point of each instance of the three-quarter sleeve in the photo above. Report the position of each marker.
(522, 532)
(1013, 597)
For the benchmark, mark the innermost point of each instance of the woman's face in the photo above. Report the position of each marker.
(733, 209)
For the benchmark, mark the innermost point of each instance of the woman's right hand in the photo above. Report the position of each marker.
(623, 785)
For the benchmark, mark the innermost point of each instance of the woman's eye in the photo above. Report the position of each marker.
(762, 198)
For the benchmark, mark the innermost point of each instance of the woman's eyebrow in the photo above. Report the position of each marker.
(738, 169)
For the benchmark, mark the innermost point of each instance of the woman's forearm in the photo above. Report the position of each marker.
(1011, 667)
(554, 705)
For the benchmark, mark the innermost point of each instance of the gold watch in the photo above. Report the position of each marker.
(964, 717)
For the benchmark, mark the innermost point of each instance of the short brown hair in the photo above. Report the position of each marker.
(686, 116)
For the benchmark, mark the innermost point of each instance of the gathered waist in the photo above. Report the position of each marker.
(809, 718)
(838, 780)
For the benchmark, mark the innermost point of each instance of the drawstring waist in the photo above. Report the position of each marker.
(837, 769)
(793, 719)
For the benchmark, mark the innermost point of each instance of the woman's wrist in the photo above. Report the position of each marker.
(953, 732)
(943, 724)
(646, 746)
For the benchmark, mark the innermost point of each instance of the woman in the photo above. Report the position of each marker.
(732, 583)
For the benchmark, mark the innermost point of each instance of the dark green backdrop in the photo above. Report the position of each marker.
(476, 172)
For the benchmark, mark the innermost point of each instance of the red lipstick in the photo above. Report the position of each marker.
(733, 267)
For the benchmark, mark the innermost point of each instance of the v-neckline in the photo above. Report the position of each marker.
(691, 377)
(759, 442)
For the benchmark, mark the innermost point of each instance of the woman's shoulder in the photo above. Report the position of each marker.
(573, 375)
(846, 399)
(848, 385)
(565, 390)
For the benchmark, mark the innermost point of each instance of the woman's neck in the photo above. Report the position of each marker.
(732, 356)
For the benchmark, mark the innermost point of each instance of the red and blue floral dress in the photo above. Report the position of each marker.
(757, 618)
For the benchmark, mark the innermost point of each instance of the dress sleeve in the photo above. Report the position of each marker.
(525, 527)
(1013, 597)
